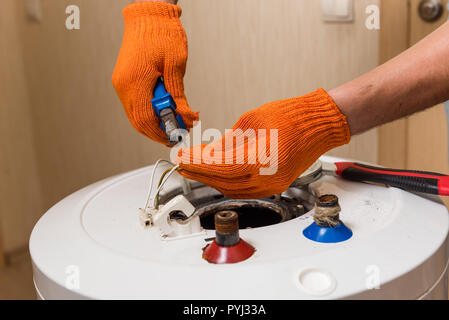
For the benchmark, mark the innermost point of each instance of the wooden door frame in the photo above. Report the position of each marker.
(394, 37)
(2, 252)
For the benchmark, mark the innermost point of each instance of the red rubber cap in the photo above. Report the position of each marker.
(217, 254)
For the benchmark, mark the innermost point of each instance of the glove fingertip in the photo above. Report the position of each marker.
(190, 118)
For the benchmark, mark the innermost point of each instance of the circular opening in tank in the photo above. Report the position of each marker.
(250, 216)
(254, 213)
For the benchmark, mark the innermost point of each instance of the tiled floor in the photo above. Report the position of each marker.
(16, 280)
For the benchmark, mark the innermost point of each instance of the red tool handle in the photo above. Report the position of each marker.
(416, 181)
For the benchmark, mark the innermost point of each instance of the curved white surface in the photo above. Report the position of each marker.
(92, 243)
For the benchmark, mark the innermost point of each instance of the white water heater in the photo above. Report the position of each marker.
(95, 244)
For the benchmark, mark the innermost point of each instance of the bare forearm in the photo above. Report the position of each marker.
(413, 81)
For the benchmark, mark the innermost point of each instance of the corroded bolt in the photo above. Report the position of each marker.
(227, 228)
(327, 211)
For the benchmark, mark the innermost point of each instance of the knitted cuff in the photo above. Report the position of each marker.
(151, 8)
(320, 119)
(153, 18)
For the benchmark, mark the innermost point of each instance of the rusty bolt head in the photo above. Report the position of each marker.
(327, 201)
(226, 222)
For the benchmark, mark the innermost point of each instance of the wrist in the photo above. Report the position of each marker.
(351, 101)
(317, 119)
(329, 122)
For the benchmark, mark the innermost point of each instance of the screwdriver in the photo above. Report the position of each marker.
(164, 107)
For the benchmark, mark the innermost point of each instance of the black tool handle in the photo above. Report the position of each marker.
(415, 181)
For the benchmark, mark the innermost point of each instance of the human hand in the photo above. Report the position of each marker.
(154, 45)
(274, 145)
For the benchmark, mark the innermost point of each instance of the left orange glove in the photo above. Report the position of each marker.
(154, 45)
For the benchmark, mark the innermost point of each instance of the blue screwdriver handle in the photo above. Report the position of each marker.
(159, 89)
(163, 100)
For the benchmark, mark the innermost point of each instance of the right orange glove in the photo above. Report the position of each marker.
(306, 127)
(154, 45)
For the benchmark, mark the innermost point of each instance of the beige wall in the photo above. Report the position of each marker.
(20, 197)
(246, 53)
(242, 54)
(82, 133)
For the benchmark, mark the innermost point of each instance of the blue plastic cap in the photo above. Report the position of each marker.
(336, 234)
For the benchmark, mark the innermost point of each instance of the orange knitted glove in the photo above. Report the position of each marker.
(154, 45)
(307, 127)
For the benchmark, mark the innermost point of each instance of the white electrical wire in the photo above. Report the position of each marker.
(162, 184)
(150, 189)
